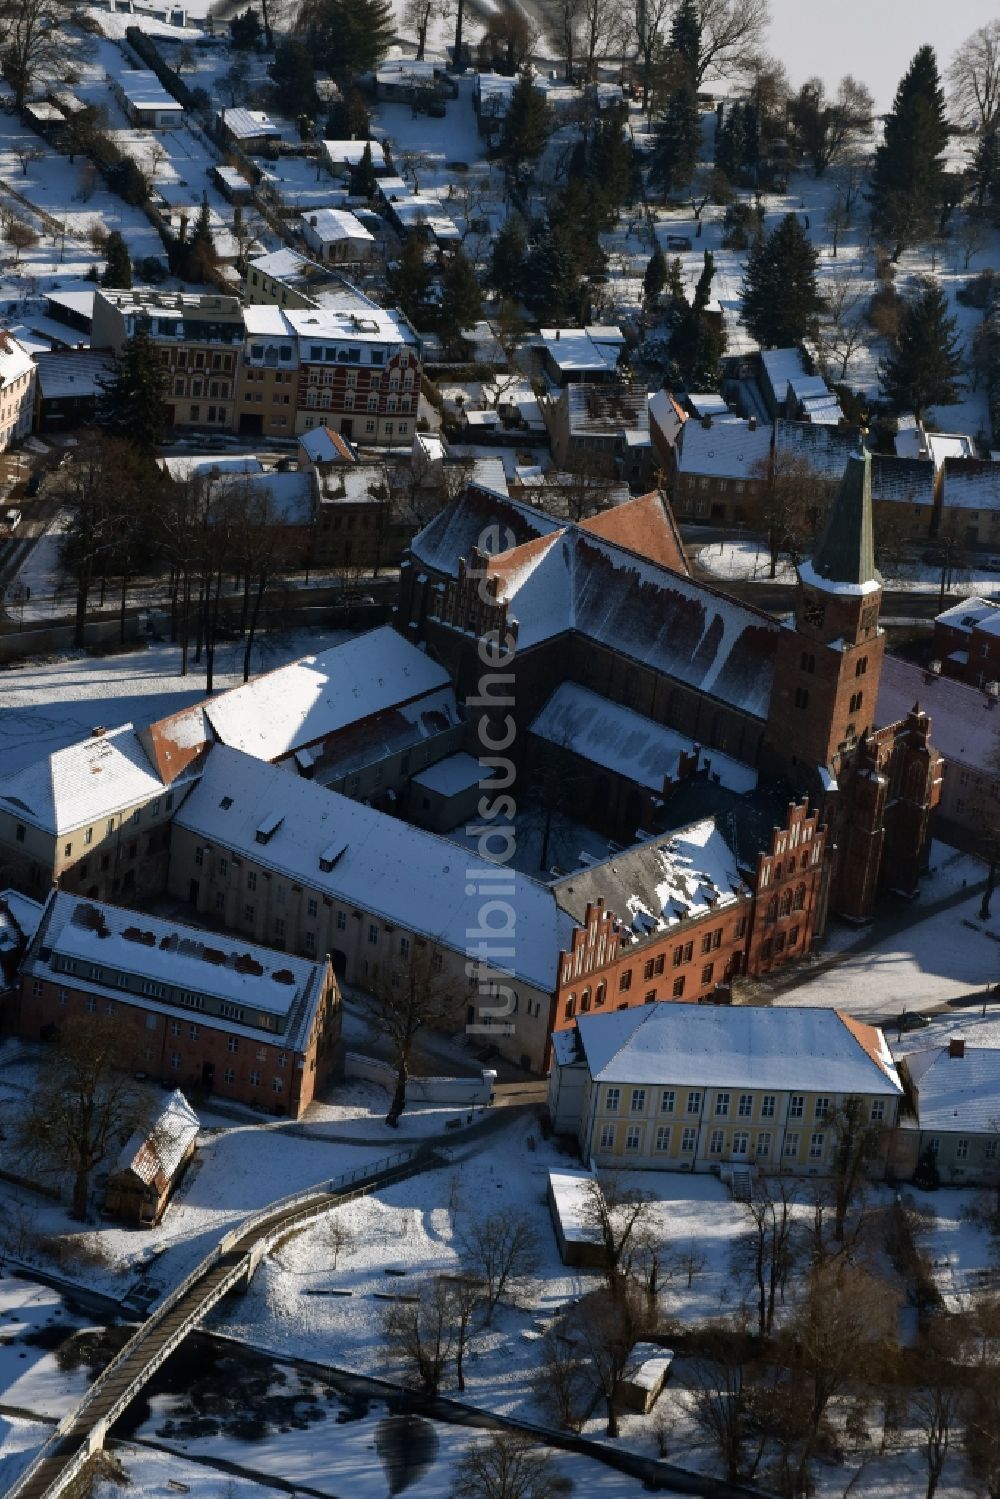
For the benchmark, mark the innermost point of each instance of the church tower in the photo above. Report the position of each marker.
(827, 666)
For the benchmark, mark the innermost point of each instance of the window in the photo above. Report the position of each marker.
(638, 1100)
(817, 1144)
(706, 974)
(373, 934)
(233, 1043)
(855, 702)
(791, 1145)
(647, 971)
(802, 697)
(667, 1100)
(649, 997)
(88, 836)
(934, 1144)
(694, 1102)
(961, 1149)
(341, 921)
(716, 1142)
(282, 1058)
(253, 1078)
(229, 1076)
(175, 1027)
(277, 1084)
(746, 1106)
(822, 1108)
(740, 929)
(68, 850)
(808, 662)
(678, 988)
(990, 1151)
(251, 879)
(662, 1137)
(706, 942)
(688, 1138)
(90, 1004)
(175, 1060)
(193, 1032)
(633, 1137)
(600, 995)
(878, 1110)
(569, 1009)
(607, 1137)
(220, 900)
(404, 947)
(861, 666)
(721, 1105)
(796, 1106)
(763, 1144)
(741, 1143)
(20, 832)
(612, 1099)
(249, 911)
(223, 868)
(767, 1105)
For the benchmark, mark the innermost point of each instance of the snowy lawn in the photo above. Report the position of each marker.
(47, 705)
(750, 561)
(19, 1440)
(34, 1319)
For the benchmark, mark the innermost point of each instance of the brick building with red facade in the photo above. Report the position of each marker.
(197, 1011)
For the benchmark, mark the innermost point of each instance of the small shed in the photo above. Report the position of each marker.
(152, 1163)
(642, 1388)
(446, 794)
(579, 1238)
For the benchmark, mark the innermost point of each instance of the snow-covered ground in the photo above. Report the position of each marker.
(48, 704)
(750, 560)
(946, 956)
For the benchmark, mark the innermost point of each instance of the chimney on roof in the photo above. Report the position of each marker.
(752, 424)
(706, 422)
(98, 731)
(956, 1047)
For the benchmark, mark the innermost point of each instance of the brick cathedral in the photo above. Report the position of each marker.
(667, 699)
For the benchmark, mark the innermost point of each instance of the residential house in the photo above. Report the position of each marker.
(19, 918)
(341, 157)
(198, 1011)
(601, 429)
(359, 371)
(145, 100)
(703, 1087)
(152, 1163)
(93, 818)
(250, 129)
(789, 390)
(970, 502)
(956, 1095)
(591, 353)
(69, 385)
(967, 641)
(722, 470)
(17, 391)
(904, 489)
(199, 339)
(267, 379)
(336, 237)
(666, 422)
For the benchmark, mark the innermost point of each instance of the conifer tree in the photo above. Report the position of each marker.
(655, 277)
(908, 179)
(924, 363)
(780, 297)
(461, 299)
(364, 183)
(678, 137)
(698, 342)
(118, 271)
(348, 37)
(506, 274)
(685, 38)
(984, 174)
(132, 401)
(410, 278)
(526, 124)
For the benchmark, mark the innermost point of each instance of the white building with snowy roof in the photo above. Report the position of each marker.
(151, 1164)
(145, 100)
(682, 1087)
(17, 390)
(956, 1094)
(722, 468)
(336, 237)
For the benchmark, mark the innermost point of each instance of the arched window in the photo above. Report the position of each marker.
(585, 1000)
(805, 860)
(601, 995)
(785, 904)
(772, 910)
(570, 1009)
(800, 898)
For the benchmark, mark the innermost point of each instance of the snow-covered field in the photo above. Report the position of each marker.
(749, 560)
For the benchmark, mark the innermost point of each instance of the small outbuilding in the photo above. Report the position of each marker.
(578, 1236)
(152, 1163)
(641, 1389)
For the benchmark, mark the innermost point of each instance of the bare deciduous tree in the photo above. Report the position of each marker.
(721, 1398)
(621, 1215)
(501, 1251)
(974, 76)
(769, 1217)
(563, 1385)
(731, 35)
(39, 40)
(85, 1105)
(607, 1327)
(507, 1465)
(421, 1332)
(408, 994)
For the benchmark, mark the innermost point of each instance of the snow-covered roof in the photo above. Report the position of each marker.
(660, 882)
(334, 224)
(220, 966)
(248, 124)
(308, 700)
(971, 484)
(572, 1196)
(576, 350)
(454, 532)
(753, 1046)
(727, 449)
(415, 880)
(970, 614)
(15, 361)
(323, 445)
(366, 324)
(623, 741)
(183, 466)
(154, 1154)
(827, 449)
(606, 408)
(710, 403)
(67, 373)
(666, 417)
(781, 366)
(27, 913)
(351, 152)
(452, 775)
(143, 90)
(266, 320)
(965, 723)
(74, 787)
(654, 1364)
(957, 1093)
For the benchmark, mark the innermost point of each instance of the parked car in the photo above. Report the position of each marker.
(12, 518)
(910, 1020)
